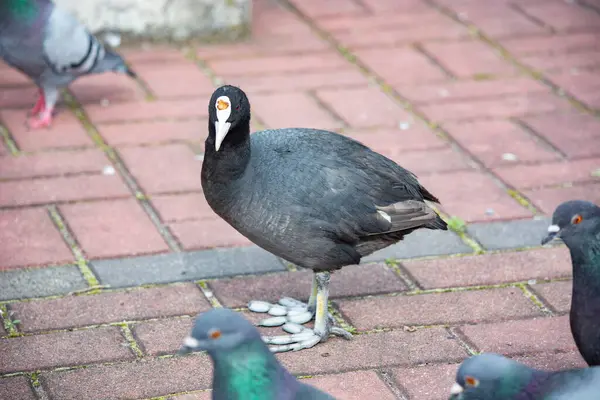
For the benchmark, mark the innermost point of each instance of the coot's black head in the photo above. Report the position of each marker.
(228, 115)
(573, 221)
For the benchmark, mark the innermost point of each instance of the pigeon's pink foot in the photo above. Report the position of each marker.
(40, 104)
(42, 120)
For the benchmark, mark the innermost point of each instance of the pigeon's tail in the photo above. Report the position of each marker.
(112, 61)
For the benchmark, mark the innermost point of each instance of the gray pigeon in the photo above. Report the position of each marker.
(50, 46)
(315, 198)
(491, 376)
(577, 223)
(244, 367)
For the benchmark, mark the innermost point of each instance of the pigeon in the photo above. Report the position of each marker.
(577, 224)
(317, 199)
(51, 47)
(490, 376)
(244, 367)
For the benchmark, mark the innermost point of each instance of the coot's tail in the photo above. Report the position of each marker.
(427, 194)
(438, 223)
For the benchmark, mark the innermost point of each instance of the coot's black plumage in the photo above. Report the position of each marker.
(315, 198)
(577, 223)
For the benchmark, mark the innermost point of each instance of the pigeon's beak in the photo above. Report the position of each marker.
(190, 344)
(456, 389)
(553, 233)
(222, 128)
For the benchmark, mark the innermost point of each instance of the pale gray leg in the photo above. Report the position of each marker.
(306, 338)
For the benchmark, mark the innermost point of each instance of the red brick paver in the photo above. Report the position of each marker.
(437, 309)
(16, 388)
(110, 307)
(131, 380)
(63, 349)
(29, 237)
(113, 228)
(491, 268)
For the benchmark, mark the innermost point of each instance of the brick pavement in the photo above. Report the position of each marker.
(108, 248)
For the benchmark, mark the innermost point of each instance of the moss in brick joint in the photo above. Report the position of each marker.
(534, 299)
(85, 270)
(338, 317)
(35, 379)
(126, 329)
(522, 201)
(208, 293)
(10, 325)
(9, 141)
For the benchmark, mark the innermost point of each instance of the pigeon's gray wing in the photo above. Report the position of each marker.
(69, 48)
(306, 392)
(21, 46)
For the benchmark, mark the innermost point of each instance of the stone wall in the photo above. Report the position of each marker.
(165, 19)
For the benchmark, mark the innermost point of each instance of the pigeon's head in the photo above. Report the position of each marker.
(228, 108)
(219, 329)
(486, 376)
(572, 220)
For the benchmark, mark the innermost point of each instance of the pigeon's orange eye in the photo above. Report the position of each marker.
(214, 334)
(576, 219)
(470, 381)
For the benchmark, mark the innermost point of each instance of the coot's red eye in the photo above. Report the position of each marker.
(237, 107)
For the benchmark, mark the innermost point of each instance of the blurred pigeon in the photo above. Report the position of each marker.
(315, 198)
(577, 223)
(50, 46)
(491, 376)
(244, 367)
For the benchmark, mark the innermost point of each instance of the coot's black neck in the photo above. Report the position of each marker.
(230, 162)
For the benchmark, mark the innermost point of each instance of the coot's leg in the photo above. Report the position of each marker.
(307, 338)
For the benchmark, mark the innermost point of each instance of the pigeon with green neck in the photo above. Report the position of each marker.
(490, 376)
(244, 367)
(51, 47)
(577, 224)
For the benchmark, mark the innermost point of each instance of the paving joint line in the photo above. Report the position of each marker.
(418, 47)
(149, 94)
(539, 138)
(127, 177)
(388, 379)
(410, 108)
(333, 308)
(464, 342)
(36, 385)
(532, 18)
(506, 55)
(405, 276)
(104, 289)
(339, 317)
(9, 141)
(132, 343)
(589, 6)
(10, 325)
(453, 330)
(313, 95)
(538, 300)
(80, 260)
(208, 293)
(114, 324)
